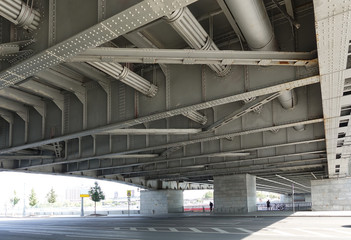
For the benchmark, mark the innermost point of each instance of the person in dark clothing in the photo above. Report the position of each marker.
(268, 204)
(211, 206)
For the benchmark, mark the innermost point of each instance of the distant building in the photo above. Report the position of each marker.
(73, 194)
(115, 195)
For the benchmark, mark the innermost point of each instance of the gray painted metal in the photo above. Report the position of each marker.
(186, 56)
(183, 143)
(333, 44)
(107, 30)
(159, 116)
(86, 110)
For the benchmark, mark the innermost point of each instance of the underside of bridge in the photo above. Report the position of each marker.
(172, 94)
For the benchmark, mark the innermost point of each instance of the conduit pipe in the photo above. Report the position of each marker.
(184, 22)
(253, 21)
(126, 76)
(19, 13)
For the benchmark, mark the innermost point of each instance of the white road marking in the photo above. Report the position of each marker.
(220, 230)
(30, 232)
(173, 230)
(339, 231)
(152, 229)
(195, 230)
(133, 229)
(98, 237)
(244, 230)
(281, 232)
(313, 233)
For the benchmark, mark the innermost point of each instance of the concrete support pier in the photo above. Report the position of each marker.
(331, 194)
(235, 194)
(161, 202)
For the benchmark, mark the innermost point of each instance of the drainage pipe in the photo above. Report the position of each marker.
(19, 13)
(184, 22)
(126, 76)
(254, 23)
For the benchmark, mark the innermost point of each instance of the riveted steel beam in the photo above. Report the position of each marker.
(16, 107)
(45, 91)
(175, 112)
(121, 23)
(192, 56)
(183, 143)
(200, 164)
(25, 98)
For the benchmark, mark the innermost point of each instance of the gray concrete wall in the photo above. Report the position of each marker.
(235, 194)
(175, 201)
(331, 194)
(161, 202)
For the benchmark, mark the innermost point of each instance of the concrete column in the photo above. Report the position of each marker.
(331, 194)
(308, 197)
(161, 202)
(235, 194)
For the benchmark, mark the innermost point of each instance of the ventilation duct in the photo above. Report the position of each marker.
(20, 13)
(184, 22)
(254, 23)
(127, 77)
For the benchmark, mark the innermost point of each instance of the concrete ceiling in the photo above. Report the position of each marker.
(121, 92)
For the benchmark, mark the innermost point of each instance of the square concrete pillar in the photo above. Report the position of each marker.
(235, 194)
(331, 194)
(161, 202)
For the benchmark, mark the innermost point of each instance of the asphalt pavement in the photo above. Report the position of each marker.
(175, 227)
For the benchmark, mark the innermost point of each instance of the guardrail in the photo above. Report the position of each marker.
(197, 208)
(299, 206)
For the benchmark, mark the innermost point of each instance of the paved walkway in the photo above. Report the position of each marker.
(191, 214)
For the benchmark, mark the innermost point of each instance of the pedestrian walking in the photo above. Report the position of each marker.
(268, 205)
(211, 206)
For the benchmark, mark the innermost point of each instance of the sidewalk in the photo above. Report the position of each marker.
(207, 214)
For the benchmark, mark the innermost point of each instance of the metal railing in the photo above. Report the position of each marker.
(299, 206)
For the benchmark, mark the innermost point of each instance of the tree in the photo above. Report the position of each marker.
(15, 199)
(96, 194)
(51, 196)
(208, 195)
(33, 198)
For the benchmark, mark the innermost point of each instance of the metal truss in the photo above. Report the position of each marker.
(318, 163)
(204, 166)
(191, 56)
(182, 143)
(333, 49)
(18, 108)
(45, 91)
(24, 98)
(249, 107)
(174, 112)
(121, 23)
(200, 164)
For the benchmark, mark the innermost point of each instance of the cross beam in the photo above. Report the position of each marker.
(192, 56)
(126, 21)
(171, 113)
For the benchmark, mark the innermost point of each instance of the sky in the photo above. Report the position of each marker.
(41, 183)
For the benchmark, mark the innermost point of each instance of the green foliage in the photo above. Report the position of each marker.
(51, 196)
(96, 194)
(33, 198)
(208, 195)
(15, 199)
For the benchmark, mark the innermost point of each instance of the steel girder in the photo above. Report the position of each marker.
(174, 112)
(122, 23)
(186, 56)
(182, 143)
